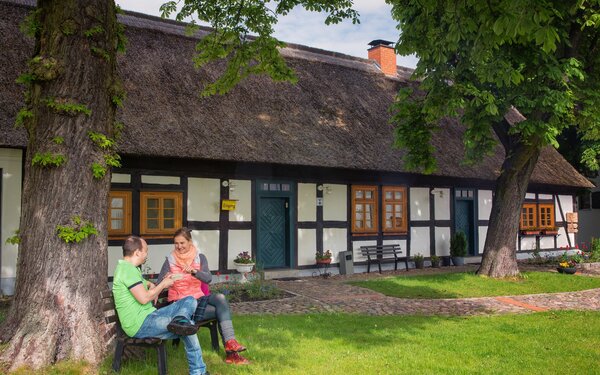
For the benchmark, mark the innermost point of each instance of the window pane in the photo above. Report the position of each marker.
(116, 214)
(169, 203)
(117, 202)
(359, 208)
(265, 187)
(368, 194)
(398, 208)
(368, 208)
(169, 224)
(388, 195)
(152, 223)
(368, 224)
(388, 208)
(359, 194)
(398, 195)
(169, 214)
(152, 214)
(274, 187)
(359, 216)
(359, 224)
(285, 187)
(388, 223)
(116, 224)
(152, 203)
(470, 194)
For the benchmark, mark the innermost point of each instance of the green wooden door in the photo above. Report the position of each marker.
(273, 232)
(463, 222)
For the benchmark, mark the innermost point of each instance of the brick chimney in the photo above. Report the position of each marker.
(383, 53)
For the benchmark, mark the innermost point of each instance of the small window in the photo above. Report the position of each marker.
(119, 213)
(528, 216)
(161, 213)
(585, 200)
(394, 209)
(546, 215)
(364, 209)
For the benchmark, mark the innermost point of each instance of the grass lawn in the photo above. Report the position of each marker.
(465, 285)
(565, 342)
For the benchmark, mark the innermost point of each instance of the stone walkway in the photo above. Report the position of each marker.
(316, 294)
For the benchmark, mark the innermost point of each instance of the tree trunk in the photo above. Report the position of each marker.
(56, 312)
(500, 253)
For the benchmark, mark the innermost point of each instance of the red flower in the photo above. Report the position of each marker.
(226, 277)
(218, 273)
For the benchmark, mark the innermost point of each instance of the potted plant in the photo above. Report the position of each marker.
(323, 258)
(551, 231)
(458, 248)
(435, 261)
(419, 261)
(568, 264)
(244, 263)
(530, 231)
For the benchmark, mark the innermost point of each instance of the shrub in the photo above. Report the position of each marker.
(458, 245)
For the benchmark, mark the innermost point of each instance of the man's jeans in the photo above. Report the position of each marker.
(155, 325)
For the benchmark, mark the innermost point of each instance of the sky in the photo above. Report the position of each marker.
(309, 29)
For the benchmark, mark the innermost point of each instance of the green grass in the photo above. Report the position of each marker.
(565, 342)
(466, 285)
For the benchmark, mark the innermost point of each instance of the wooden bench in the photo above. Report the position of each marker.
(382, 253)
(123, 341)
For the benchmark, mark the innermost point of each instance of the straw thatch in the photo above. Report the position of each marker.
(336, 116)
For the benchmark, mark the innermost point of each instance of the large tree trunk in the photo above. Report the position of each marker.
(56, 312)
(499, 253)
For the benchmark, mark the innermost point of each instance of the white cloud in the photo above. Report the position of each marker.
(308, 28)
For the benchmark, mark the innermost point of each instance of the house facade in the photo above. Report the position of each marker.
(280, 170)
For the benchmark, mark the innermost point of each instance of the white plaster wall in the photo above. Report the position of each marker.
(547, 242)
(335, 207)
(419, 241)
(334, 239)
(566, 203)
(156, 258)
(356, 249)
(207, 241)
(419, 204)
(528, 243)
(485, 206)
(307, 246)
(307, 202)
(545, 196)
(161, 180)
(239, 240)
(120, 178)
(11, 164)
(442, 204)
(114, 254)
(204, 199)
(482, 236)
(242, 191)
(442, 241)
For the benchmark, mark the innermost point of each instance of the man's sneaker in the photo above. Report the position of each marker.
(234, 358)
(232, 346)
(182, 326)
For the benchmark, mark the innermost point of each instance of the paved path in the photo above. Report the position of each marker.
(315, 294)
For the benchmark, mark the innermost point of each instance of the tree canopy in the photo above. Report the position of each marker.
(477, 59)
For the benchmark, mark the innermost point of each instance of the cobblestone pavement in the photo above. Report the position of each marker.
(316, 294)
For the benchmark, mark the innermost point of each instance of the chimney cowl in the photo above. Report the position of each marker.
(380, 42)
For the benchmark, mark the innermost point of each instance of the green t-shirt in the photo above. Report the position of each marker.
(131, 313)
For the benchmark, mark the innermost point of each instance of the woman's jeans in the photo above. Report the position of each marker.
(155, 325)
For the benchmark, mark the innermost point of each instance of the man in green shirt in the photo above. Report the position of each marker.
(133, 301)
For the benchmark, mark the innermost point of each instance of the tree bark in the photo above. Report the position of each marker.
(500, 253)
(56, 312)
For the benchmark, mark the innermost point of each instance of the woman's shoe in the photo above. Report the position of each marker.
(235, 358)
(234, 346)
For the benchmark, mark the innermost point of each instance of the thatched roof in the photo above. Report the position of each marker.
(335, 116)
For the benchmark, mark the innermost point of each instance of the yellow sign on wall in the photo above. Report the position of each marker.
(228, 204)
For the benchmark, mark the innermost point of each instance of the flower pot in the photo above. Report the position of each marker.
(530, 232)
(419, 264)
(435, 263)
(324, 261)
(550, 232)
(567, 270)
(458, 261)
(243, 269)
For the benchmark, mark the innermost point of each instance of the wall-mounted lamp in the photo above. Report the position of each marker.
(225, 183)
(320, 187)
(439, 192)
